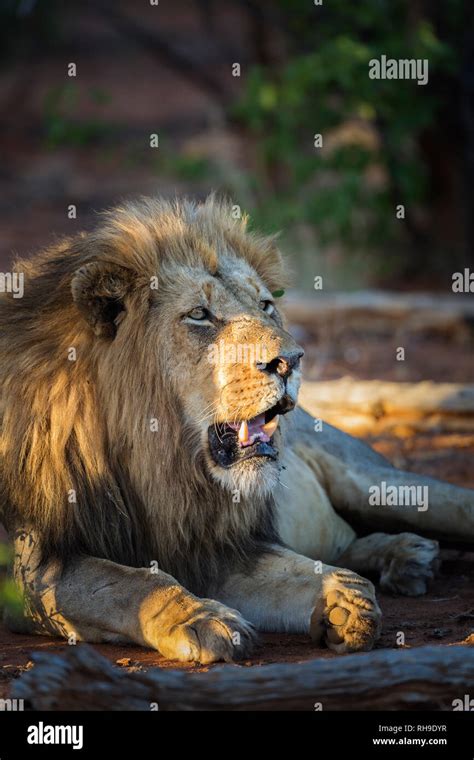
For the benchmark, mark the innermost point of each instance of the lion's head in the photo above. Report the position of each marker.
(195, 291)
(160, 367)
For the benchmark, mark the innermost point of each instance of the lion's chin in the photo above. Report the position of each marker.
(254, 477)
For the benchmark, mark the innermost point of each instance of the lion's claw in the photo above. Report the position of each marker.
(213, 633)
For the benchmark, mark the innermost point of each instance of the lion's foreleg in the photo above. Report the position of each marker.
(288, 592)
(97, 600)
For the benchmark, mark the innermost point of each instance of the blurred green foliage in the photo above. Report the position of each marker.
(187, 167)
(322, 85)
(5, 554)
(316, 81)
(10, 597)
(62, 122)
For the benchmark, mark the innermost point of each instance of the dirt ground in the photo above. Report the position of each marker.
(446, 614)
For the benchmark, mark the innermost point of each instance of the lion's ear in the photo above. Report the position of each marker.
(99, 290)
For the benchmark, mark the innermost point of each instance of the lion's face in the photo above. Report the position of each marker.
(203, 349)
(234, 368)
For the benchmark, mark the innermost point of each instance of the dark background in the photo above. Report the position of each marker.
(167, 69)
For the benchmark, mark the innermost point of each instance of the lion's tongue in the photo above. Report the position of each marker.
(251, 430)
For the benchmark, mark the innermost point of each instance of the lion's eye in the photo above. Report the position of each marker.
(267, 306)
(198, 314)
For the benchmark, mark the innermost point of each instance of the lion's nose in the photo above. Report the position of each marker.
(282, 365)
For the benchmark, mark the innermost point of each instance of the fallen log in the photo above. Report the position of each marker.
(376, 310)
(427, 678)
(365, 405)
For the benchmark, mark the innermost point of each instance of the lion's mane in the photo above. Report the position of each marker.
(65, 470)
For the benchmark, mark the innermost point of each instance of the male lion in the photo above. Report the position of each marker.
(163, 490)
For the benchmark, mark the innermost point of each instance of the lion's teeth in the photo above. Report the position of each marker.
(271, 426)
(243, 432)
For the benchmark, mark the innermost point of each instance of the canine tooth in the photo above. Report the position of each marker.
(243, 432)
(271, 426)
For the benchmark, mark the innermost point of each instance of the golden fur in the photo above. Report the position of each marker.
(112, 459)
(82, 425)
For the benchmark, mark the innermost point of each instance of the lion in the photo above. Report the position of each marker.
(160, 484)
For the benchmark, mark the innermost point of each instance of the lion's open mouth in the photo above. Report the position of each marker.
(233, 442)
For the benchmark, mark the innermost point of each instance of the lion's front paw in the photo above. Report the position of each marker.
(213, 632)
(347, 617)
(411, 563)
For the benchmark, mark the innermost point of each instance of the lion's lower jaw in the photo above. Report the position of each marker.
(253, 478)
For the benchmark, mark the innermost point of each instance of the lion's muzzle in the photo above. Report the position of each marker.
(234, 442)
